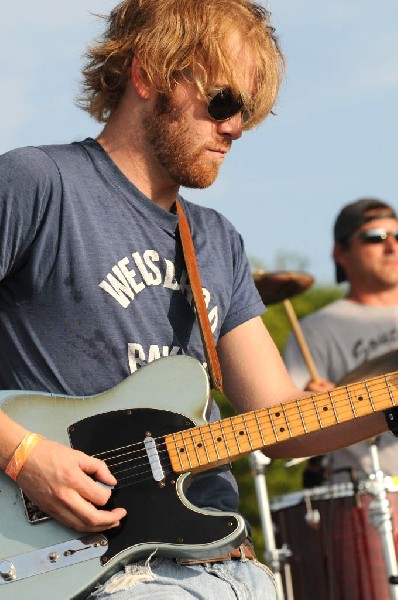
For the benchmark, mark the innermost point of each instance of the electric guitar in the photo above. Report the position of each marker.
(152, 452)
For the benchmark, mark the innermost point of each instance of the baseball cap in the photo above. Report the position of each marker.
(352, 216)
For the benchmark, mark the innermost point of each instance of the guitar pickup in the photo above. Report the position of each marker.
(153, 457)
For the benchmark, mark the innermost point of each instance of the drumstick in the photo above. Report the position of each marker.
(301, 340)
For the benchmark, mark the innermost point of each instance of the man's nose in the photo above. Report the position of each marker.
(391, 241)
(233, 126)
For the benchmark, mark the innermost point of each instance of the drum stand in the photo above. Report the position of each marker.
(380, 517)
(273, 556)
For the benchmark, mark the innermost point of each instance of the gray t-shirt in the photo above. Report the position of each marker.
(93, 282)
(341, 336)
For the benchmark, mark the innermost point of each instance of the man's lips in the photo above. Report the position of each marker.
(221, 151)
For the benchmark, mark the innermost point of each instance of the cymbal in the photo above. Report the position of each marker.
(279, 285)
(385, 363)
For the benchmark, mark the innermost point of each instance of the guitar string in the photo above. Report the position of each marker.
(141, 477)
(331, 398)
(336, 394)
(250, 416)
(129, 477)
(254, 416)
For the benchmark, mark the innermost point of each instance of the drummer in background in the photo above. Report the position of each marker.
(355, 329)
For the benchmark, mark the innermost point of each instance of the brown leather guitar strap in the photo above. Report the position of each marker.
(196, 286)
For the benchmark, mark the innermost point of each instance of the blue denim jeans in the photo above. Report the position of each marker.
(166, 579)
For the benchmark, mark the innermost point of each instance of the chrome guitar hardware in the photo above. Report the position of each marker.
(174, 447)
(68, 553)
(153, 457)
(7, 570)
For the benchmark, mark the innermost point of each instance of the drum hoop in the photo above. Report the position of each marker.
(332, 491)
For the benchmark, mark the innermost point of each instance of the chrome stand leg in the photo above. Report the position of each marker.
(380, 517)
(273, 557)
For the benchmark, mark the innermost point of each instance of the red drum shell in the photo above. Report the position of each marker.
(342, 558)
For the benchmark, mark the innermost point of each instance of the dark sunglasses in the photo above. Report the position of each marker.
(223, 104)
(377, 236)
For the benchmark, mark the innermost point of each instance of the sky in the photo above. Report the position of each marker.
(333, 139)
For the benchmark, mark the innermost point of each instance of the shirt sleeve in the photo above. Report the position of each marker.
(246, 302)
(26, 179)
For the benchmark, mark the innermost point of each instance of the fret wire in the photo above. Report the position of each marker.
(225, 438)
(370, 396)
(345, 397)
(354, 412)
(286, 420)
(178, 452)
(333, 406)
(381, 390)
(301, 416)
(183, 434)
(247, 432)
(259, 428)
(236, 437)
(194, 445)
(204, 444)
(214, 440)
(315, 404)
(273, 425)
(390, 390)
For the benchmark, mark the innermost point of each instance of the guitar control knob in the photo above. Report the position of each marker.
(7, 570)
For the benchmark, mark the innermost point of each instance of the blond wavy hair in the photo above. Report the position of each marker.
(171, 38)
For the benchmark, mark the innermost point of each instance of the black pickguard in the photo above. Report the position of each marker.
(155, 512)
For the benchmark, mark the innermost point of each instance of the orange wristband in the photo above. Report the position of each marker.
(20, 455)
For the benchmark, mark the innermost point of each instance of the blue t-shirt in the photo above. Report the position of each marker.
(93, 283)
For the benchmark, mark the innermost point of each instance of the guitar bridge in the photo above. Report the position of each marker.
(44, 560)
(32, 511)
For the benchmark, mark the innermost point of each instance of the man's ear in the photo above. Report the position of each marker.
(339, 254)
(140, 80)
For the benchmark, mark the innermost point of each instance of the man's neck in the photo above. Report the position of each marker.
(136, 161)
(380, 298)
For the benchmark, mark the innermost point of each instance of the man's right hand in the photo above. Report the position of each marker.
(319, 385)
(67, 484)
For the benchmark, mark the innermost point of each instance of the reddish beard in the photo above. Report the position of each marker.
(169, 136)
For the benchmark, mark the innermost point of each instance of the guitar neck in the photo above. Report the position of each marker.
(224, 441)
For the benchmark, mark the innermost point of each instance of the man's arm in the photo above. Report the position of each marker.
(298, 370)
(63, 482)
(295, 363)
(255, 377)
